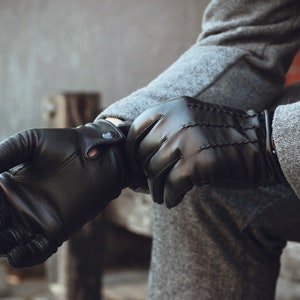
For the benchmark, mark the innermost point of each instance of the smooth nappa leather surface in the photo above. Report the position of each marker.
(55, 187)
(184, 142)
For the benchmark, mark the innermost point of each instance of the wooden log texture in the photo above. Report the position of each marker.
(75, 271)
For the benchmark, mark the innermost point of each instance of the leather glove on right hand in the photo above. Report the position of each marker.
(184, 142)
(56, 186)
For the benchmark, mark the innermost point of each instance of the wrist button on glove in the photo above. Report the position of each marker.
(109, 135)
(68, 176)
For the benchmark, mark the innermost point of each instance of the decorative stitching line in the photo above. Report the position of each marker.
(218, 126)
(219, 110)
(223, 144)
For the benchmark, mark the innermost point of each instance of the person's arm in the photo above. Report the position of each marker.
(184, 142)
(239, 60)
(53, 181)
(286, 135)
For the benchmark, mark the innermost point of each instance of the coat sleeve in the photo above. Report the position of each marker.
(239, 59)
(286, 135)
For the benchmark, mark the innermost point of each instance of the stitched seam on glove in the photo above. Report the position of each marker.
(218, 126)
(241, 142)
(20, 178)
(220, 110)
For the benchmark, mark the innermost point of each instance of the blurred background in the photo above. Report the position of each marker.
(92, 49)
(56, 54)
(112, 47)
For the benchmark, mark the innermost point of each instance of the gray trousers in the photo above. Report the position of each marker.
(225, 244)
(221, 244)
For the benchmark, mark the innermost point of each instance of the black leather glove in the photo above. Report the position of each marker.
(184, 143)
(58, 184)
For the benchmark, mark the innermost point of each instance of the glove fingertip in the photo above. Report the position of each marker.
(171, 202)
(32, 253)
(156, 194)
(17, 258)
(15, 235)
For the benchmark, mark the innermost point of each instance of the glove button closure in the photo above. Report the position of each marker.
(109, 135)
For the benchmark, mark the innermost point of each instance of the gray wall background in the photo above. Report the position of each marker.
(111, 46)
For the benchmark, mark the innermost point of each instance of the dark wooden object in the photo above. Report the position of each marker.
(75, 271)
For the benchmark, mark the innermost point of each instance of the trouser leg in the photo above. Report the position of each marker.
(222, 244)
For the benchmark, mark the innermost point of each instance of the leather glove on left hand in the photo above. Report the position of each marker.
(56, 187)
(184, 142)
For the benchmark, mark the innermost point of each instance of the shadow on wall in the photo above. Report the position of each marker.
(112, 47)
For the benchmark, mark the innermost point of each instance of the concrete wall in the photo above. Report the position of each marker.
(112, 46)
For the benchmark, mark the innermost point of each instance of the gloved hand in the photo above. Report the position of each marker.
(58, 180)
(184, 142)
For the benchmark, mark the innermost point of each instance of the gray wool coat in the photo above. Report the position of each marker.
(240, 60)
(286, 135)
(220, 244)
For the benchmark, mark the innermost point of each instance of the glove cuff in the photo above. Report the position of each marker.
(270, 148)
(131, 177)
(136, 180)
